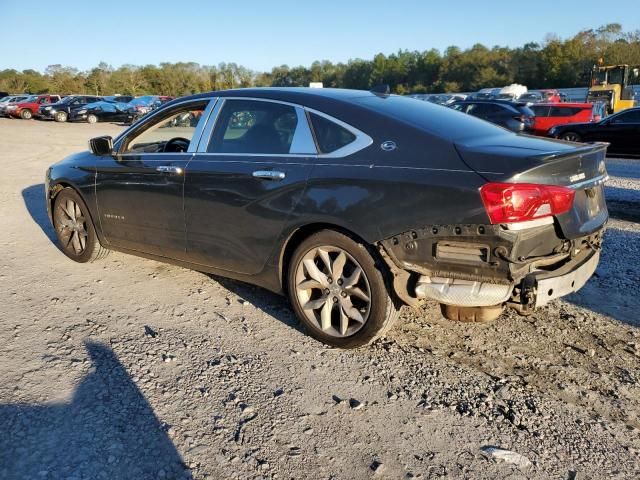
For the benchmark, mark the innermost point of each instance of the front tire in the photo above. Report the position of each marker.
(60, 117)
(91, 118)
(74, 228)
(338, 290)
(26, 114)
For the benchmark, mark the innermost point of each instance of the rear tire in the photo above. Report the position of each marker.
(471, 314)
(74, 228)
(60, 117)
(26, 114)
(338, 290)
(91, 118)
(571, 137)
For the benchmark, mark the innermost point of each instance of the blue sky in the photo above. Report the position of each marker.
(262, 34)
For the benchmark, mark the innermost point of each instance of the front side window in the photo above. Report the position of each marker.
(329, 135)
(564, 111)
(170, 133)
(254, 127)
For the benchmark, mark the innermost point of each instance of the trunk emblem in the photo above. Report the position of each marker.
(575, 178)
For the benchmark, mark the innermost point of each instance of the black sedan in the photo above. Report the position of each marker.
(621, 131)
(61, 110)
(515, 116)
(352, 203)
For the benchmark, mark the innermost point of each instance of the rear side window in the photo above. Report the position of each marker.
(540, 111)
(329, 135)
(564, 111)
(249, 126)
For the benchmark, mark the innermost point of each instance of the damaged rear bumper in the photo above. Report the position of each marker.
(484, 266)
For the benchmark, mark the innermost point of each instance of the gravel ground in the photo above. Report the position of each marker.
(129, 368)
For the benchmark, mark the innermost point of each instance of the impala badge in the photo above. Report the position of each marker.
(575, 178)
(113, 217)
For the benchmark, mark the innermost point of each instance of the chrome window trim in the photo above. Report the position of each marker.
(197, 134)
(205, 138)
(302, 142)
(361, 142)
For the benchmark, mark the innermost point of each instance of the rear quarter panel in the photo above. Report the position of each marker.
(377, 194)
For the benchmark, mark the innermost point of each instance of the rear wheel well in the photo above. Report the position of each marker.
(304, 232)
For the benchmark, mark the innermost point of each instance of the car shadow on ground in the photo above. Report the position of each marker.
(108, 430)
(34, 200)
(270, 303)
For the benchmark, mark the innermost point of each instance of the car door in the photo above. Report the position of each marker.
(139, 189)
(623, 132)
(245, 180)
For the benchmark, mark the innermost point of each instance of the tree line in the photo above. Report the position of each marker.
(553, 63)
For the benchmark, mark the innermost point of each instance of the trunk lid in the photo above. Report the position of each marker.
(523, 159)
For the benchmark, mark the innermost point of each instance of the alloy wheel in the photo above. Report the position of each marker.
(333, 291)
(72, 227)
(571, 137)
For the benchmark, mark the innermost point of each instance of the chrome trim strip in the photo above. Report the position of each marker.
(197, 134)
(302, 142)
(207, 131)
(361, 142)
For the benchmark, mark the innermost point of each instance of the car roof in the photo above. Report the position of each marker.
(495, 101)
(283, 92)
(565, 104)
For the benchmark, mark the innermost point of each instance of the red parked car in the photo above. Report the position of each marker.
(552, 114)
(28, 108)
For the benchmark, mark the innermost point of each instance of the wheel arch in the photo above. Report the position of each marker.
(300, 234)
(59, 186)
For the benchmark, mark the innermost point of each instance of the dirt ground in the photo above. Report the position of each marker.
(128, 368)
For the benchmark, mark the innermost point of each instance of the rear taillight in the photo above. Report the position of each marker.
(519, 202)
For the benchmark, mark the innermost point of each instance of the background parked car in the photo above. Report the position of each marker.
(106, 110)
(531, 97)
(29, 107)
(548, 115)
(621, 130)
(4, 102)
(551, 95)
(486, 94)
(59, 111)
(3, 95)
(514, 116)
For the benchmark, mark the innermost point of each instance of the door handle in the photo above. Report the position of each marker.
(269, 175)
(169, 169)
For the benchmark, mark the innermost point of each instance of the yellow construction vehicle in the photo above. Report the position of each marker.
(613, 86)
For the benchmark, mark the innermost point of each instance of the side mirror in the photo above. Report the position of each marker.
(101, 146)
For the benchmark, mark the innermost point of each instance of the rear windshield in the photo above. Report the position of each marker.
(443, 122)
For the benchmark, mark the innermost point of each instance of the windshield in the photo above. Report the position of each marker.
(608, 77)
(30, 99)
